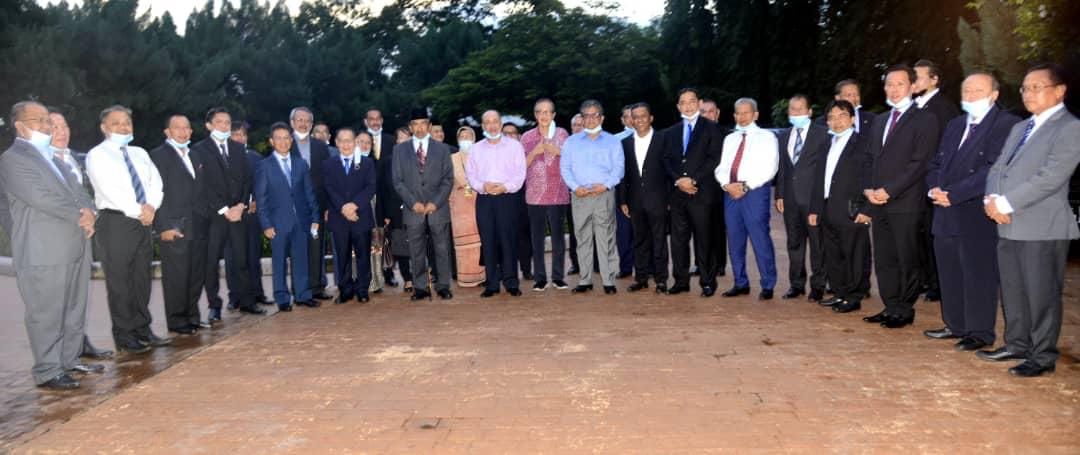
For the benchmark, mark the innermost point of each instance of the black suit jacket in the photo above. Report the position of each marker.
(357, 187)
(387, 200)
(794, 182)
(702, 156)
(944, 110)
(866, 120)
(846, 189)
(183, 205)
(649, 189)
(225, 184)
(961, 170)
(899, 165)
(319, 153)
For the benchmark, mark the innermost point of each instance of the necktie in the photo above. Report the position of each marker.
(348, 165)
(686, 139)
(420, 155)
(857, 120)
(140, 193)
(971, 132)
(892, 124)
(224, 154)
(287, 162)
(798, 147)
(734, 177)
(1023, 140)
(378, 146)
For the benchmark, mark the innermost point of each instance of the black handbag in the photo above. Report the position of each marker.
(399, 242)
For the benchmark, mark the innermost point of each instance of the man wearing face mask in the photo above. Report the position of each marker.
(388, 203)
(964, 238)
(745, 173)
(800, 148)
(350, 185)
(182, 226)
(128, 192)
(52, 218)
(314, 152)
(228, 183)
(545, 193)
(901, 144)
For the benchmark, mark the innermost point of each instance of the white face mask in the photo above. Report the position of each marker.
(361, 152)
(592, 131)
(375, 133)
(179, 145)
(901, 105)
(301, 136)
(464, 144)
(219, 136)
(493, 137)
(978, 108)
(691, 117)
(121, 140)
(40, 140)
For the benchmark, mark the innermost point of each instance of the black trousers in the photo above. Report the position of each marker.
(719, 239)
(800, 237)
(254, 259)
(624, 243)
(1032, 280)
(496, 218)
(650, 244)
(846, 248)
(929, 270)
(573, 238)
(317, 259)
(896, 260)
(352, 244)
(969, 284)
(542, 218)
(235, 235)
(126, 252)
(183, 273)
(523, 233)
(692, 218)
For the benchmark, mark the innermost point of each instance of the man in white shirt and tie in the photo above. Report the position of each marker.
(747, 167)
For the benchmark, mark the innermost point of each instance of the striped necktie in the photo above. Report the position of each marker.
(140, 193)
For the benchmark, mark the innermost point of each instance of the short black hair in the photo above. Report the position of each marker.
(840, 104)
(504, 125)
(844, 83)
(359, 132)
(238, 125)
(800, 96)
(900, 67)
(932, 68)
(168, 120)
(1057, 72)
(641, 105)
(215, 111)
(279, 126)
(693, 90)
(320, 122)
(344, 128)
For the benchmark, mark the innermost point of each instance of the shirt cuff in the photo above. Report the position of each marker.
(222, 210)
(930, 194)
(1003, 205)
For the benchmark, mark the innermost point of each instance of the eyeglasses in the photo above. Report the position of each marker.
(42, 120)
(591, 115)
(1035, 89)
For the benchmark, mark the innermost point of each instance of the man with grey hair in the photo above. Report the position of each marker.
(52, 218)
(747, 167)
(314, 153)
(592, 164)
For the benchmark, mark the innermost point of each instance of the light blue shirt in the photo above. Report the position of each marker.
(587, 161)
(625, 133)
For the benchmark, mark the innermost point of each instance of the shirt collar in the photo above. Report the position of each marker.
(646, 136)
(424, 141)
(1042, 118)
(354, 156)
(921, 100)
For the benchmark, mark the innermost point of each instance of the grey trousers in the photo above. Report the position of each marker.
(594, 219)
(1032, 279)
(418, 252)
(55, 298)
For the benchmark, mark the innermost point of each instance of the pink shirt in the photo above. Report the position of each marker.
(543, 183)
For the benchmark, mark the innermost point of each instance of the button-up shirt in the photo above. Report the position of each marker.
(587, 161)
(304, 147)
(833, 158)
(502, 162)
(888, 120)
(73, 165)
(760, 158)
(543, 184)
(925, 98)
(185, 156)
(641, 148)
(1002, 203)
(795, 132)
(112, 182)
(417, 142)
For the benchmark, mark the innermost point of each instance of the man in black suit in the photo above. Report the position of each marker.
(692, 151)
(711, 111)
(350, 185)
(839, 207)
(314, 152)
(801, 147)
(849, 90)
(387, 201)
(255, 237)
(965, 240)
(227, 185)
(901, 144)
(643, 197)
(181, 226)
(928, 97)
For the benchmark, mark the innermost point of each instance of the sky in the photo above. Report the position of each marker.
(637, 11)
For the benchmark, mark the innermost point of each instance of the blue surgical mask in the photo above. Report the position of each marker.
(464, 145)
(903, 104)
(219, 136)
(977, 109)
(179, 145)
(849, 130)
(799, 121)
(361, 152)
(691, 118)
(40, 140)
(121, 140)
(748, 127)
(493, 137)
(592, 131)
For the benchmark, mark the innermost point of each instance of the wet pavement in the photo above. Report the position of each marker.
(547, 372)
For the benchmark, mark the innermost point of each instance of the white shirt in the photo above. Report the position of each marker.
(760, 157)
(888, 120)
(112, 183)
(1003, 205)
(185, 156)
(791, 140)
(925, 98)
(416, 143)
(71, 162)
(641, 148)
(857, 119)
(836, 150)
(971, 120)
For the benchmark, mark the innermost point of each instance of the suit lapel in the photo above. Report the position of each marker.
(45, 166)
(1037, 139)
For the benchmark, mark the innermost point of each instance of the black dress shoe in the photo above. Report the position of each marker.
(362, 298)
(307, 303)
(792, 293)
(252, 310)
(90, 352)
(943, 333)
(284, 308)
(637, 286)
(1030, 369)
(896, 322)
(214, 315)
(581, 288)
(622, 275)
(321, 295)
(999, 355)
(933, 295)
(736, 291)
(155, 341)
(133, 347)
(342, 298)
(420, 294)
(677, 289)
(527, 276)
(707, 291)
(185, 330)
(410, 288)
(573, 270)
(766, 294)
(815, 295)
(86, 368)
(488, 293)
(661, 288)
(832, 301)
(391, 283)
(847, 307)
(970, 344)
(262, 300)
(830, 291)
(62, 381)
(877, 318)
(610, 290)
(444, 294)
(514, 292)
